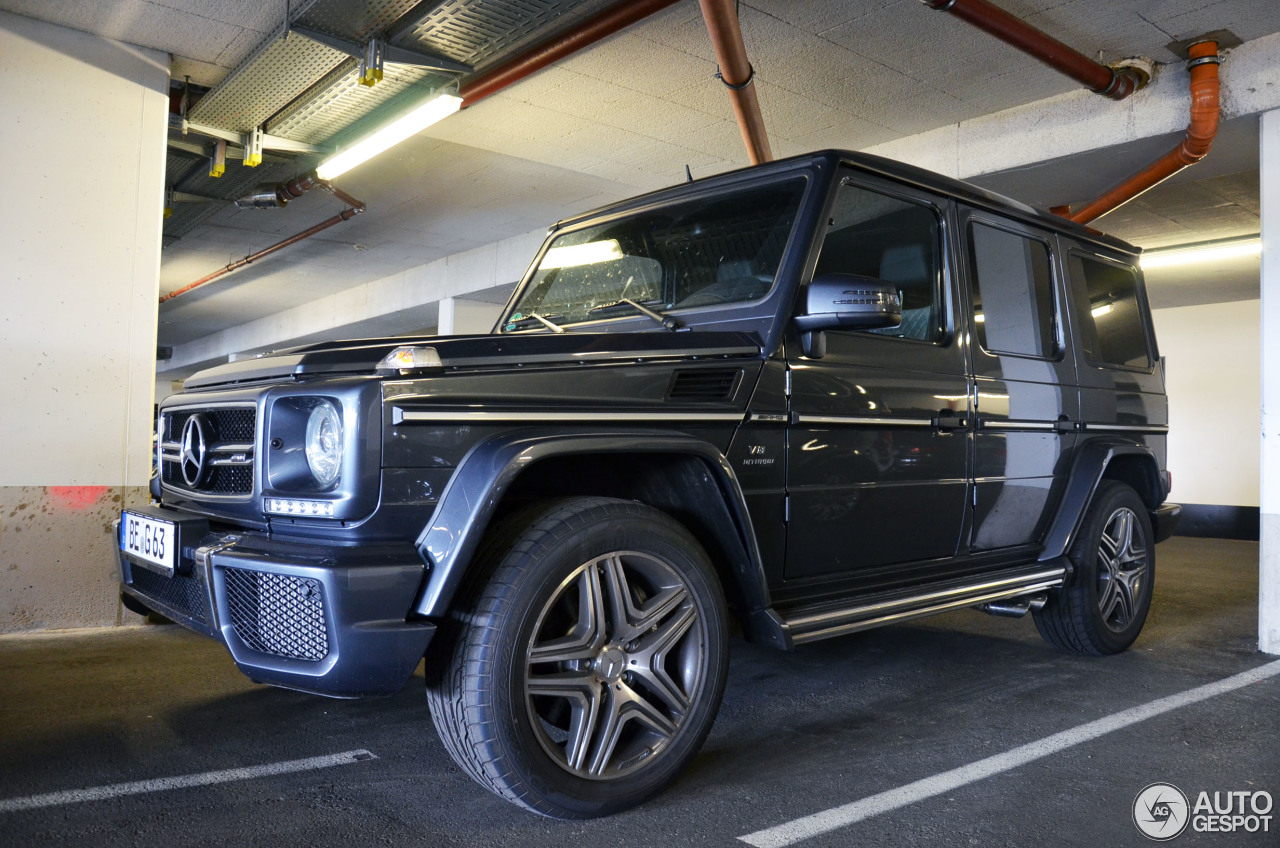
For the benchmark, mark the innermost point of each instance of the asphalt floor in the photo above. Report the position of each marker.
(832, 723)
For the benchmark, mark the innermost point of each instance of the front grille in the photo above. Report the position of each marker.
(278, 614)
(183, 593)
(230, 434)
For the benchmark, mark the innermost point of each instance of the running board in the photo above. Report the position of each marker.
(802, 627)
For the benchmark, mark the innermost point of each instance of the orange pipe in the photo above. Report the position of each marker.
(1205, 94)
(294, 188)
(1116, 83)
(614, 19)
(721, 17)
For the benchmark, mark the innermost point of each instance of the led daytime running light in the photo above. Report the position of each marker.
(300, 508)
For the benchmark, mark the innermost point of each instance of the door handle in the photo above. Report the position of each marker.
(947, 419)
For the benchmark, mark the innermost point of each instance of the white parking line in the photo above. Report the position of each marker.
(800, 829)
(97, 793)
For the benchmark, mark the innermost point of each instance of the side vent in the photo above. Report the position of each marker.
(713, 384)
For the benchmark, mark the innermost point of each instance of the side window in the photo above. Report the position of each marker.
(1012, 293)
(893, 240)
(1110, 313)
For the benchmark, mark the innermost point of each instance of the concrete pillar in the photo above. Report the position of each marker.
(462, 317)
(1269, 553)
(82, 154)
(445, 321)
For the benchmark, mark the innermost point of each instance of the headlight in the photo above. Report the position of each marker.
(324, 443)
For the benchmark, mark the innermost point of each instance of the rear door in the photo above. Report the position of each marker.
(1026, 400)
(877, 454)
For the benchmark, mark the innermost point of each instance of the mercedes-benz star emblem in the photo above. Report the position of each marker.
(193, 450)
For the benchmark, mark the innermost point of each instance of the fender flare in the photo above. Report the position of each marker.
(449, 541)
(1087, 470)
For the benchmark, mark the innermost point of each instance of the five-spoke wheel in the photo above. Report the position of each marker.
(588, 666)
(615, 661)
(1104, 604)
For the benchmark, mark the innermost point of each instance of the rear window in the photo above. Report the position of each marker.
(1110, 313)
(1012, 293)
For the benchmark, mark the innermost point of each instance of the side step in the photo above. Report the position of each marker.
(809, 625)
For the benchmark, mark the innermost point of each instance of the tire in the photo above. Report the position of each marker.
(1104, 604)
(584, 667)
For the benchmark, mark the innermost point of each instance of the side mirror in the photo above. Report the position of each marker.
(846, 300)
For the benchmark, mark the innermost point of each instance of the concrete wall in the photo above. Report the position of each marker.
(82, 156)
(1213, 378)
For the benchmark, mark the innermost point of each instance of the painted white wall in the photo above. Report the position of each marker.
(82, 154)
(1213, 378)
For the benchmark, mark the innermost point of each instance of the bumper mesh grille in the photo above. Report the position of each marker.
(186, 594)
(278, 614)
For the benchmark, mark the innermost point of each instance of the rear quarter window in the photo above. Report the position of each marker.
(1112, 325)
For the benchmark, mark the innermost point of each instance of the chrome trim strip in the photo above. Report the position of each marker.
(408, 415)
(921, 612)
(1016, 425)
(943, 595)
(232, 447)
(1126, 428)
(228, 462)
(865, 420)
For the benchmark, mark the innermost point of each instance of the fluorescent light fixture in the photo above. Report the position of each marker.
(1098, 311)
(1201, 254)
(979, 317)
(412, 123)
(573, 255)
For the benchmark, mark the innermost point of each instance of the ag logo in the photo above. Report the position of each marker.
(1161, 811)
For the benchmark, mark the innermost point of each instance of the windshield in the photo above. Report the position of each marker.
(724, 249)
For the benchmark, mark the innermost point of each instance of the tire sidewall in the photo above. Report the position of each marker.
(1110, 497)
(539, 570)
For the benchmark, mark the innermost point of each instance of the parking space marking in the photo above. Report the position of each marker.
(826, 821)
(115, 790)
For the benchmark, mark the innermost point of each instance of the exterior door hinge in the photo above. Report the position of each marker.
(787, 387)
(786, 509)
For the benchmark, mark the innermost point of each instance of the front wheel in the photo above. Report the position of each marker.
(1102, 608)
(586, 669)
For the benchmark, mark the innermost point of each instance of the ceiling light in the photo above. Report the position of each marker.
(1099, 311)
(1202, 253)
(412, 123)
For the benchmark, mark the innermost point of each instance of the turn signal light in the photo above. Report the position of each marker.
(410, 357)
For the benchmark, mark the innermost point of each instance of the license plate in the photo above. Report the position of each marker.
(148, 539)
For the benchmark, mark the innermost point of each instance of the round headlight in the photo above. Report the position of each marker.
(324, 443)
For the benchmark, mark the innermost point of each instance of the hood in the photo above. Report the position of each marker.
(361, 356)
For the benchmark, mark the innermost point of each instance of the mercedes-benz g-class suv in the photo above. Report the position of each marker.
(811, 397)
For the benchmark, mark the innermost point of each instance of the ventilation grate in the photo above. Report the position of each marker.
(716, 384)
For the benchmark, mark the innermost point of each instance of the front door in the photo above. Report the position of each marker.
(878, 443)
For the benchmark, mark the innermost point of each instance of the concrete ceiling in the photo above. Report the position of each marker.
(631, 113)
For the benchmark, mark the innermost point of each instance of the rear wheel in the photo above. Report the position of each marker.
(1102, 608)
(587, 666)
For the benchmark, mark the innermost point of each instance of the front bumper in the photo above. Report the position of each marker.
(326, 619)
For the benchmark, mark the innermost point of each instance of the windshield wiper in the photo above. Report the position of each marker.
(665, 320)
(533, 316)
